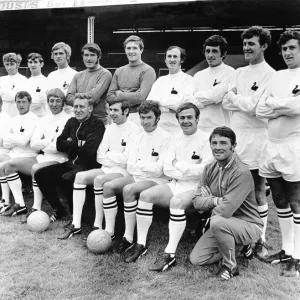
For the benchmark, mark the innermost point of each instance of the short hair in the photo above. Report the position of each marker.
(56, 92)
(148, 106)
(67, 49)
(182, 52)
(12, 57)
(23, 94)
(88, 98)
(215, 41)
(34, 56)
(263, 34)
(288, 35)
(136, 39)
(124, 105)
(224, 131)
(188, 105)
(92, 47)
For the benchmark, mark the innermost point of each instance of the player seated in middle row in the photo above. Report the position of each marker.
(111, 155)
(188, 154)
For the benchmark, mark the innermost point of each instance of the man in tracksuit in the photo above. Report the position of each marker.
(226, 189)
(80, 139)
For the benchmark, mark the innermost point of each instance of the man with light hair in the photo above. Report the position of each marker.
(37, 85)
(91, 83)
(133, 81)
(63, 76)
(173, 89)
(11, 83)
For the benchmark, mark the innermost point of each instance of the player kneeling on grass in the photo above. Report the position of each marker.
(188, 155)
(43, 140)
(80, 139)
(227, 189)
(113, 158)
(145, 166)
(21, 128)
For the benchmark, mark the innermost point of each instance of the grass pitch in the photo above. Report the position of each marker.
(37, 266)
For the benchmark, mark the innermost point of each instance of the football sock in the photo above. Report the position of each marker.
(15, 186)
(263, 212)
(177, 226)
(130, 219)
(78, 202)
(144, 216)
(296, 253)
(5, 189)
(98, 207)
(110, 208)
(37, 196)
(285, 218)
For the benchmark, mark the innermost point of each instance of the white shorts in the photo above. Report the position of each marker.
(16, 155)
(4, 150)
(178, 187)
(45, 158)
(158, 180)
(114, 170)
(281, 158)
(249, 146)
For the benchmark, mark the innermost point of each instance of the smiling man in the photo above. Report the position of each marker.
(62, 77)
(21, 128)
(133, 81)
(112, 157)
(11, 83)
(145, 167)
(212, 85)
(280, 160)
(91, 83)
(188, 154)
(246, 90)
(173, 89)
(80, 140)
(43, 141)
(227, 190)
(37, 85)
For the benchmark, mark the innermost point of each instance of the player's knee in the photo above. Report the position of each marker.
(216, 223)
(108, 187)
(177, 203)
(8, 168)
(80, 178)
(146, 196)
(34, 169)
(128, 191)
(195, 259)
(99, 181)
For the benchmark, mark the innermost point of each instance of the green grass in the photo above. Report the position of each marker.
(38, 266)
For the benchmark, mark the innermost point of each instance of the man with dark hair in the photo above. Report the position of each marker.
(11, 83)
(112, 157)
(133, 81)
(173, 89)
(43, 141)
(80, 140)
(37, 85)
(280, 160)
(62, 77)
(21, 128)
(212, 85)
(227, 190)
(187, 156)
(245, 92)
(91, 83)
(145, 167)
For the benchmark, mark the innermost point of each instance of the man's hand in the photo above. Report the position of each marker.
(118, 92)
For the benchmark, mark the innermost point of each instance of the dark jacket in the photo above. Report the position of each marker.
(86, 137)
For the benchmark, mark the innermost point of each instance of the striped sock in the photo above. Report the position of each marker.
(296, 253)
(130, 219)
(263, 212)
(144, 216)
(15, 185)
(110, 208)
(285, 218)
(177, 226)
(98, 207)
(5, 189)
(79, 191)
(37, 196)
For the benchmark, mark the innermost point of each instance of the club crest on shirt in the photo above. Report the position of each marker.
(123, 143)
(57, 128)
(216, 82)
(195, 158)
(22, 129)
(174, 91)
(254, 87)
(38, 89)
(154, 156)
(295, 90)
